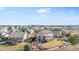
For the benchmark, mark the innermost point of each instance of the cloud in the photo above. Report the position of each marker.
(43, 11)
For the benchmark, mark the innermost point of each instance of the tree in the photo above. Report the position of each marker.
(23, 29)
(68, 35)
(26, 48)
(73, 40)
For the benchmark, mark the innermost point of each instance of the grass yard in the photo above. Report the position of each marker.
(53, 43)
(18, 47)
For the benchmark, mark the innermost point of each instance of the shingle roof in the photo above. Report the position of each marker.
(44, 31)
(17, 34)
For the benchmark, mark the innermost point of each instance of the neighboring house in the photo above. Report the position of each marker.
(5, 29)
(6, 35)
(65, 31)
(18, 35)
(44, 35)
(56, 32)
(15, 29)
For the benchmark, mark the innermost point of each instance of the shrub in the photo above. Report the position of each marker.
(73, 40)
(26, 48)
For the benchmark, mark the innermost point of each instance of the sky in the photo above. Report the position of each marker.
(39, 15)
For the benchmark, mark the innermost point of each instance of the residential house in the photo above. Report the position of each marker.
(19, 36)
(56, 32)
(44, 35)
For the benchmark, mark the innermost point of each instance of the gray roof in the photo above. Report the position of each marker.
(44, 31)
(17, 34)
(2, 32)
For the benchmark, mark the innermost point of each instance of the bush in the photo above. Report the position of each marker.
(26, 48)
(23, 29)
(73, 40)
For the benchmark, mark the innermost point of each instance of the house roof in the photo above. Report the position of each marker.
(17, 34)
(45, 32)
